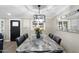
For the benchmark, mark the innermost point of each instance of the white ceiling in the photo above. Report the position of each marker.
(23, 11)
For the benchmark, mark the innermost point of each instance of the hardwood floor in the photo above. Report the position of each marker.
(9, 47)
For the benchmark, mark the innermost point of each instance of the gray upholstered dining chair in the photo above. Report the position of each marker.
(50, 35)
(57, 39)
(25, 36)
(21, 39)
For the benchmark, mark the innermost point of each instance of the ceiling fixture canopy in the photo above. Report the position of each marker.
(39, 8)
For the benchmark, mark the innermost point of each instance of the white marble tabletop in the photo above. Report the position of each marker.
(42, 44)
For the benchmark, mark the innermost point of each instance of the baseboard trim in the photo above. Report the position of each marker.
(7, 40)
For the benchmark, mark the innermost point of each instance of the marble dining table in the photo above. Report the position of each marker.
(42, 44)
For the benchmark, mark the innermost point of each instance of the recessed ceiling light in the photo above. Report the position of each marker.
(9, 14)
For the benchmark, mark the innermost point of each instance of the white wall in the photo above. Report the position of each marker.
(49, 26)
(26, 26)
(70, 41)
(5, 29)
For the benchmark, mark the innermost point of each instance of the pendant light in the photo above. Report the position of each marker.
(39, 9)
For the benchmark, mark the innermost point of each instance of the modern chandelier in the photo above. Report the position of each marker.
(39, 17)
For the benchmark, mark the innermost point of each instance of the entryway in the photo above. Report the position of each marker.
(14, 29)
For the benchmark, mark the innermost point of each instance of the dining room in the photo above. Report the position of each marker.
(39, 28)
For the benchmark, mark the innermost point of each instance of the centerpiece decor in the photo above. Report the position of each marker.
(38, 31)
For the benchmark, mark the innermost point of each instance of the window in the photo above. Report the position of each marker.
(1, 26)
(69, 25)
(15, 24)
(63, 25)
(60, 26)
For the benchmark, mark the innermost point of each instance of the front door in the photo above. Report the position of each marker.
(15, 29)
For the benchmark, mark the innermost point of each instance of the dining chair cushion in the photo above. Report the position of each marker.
(57, 39)
(25, 36)
(20, 40)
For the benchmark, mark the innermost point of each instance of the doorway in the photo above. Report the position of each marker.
(14, 29)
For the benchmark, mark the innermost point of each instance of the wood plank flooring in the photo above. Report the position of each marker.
(9, 47)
